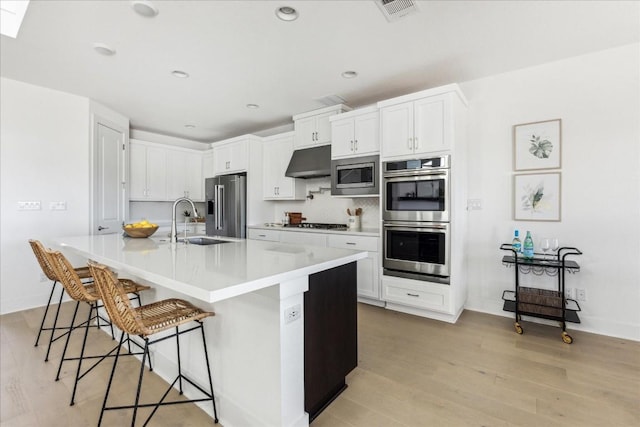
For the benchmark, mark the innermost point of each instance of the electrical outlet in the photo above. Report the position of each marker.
(292, 313)
(474, 204)
(581, 294)
(58, 206)
(569, 293)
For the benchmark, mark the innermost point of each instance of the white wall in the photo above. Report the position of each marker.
(597, 96)
(44, 154)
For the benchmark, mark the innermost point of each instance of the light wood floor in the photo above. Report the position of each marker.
(412, 372)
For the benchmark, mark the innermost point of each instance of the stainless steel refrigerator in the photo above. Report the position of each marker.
(226, 205)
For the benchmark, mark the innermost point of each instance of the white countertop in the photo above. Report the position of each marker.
(209, 273)
(362, 232)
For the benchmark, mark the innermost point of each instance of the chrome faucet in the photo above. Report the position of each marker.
(174, 228)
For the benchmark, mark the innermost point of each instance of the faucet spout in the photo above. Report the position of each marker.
(174, 228)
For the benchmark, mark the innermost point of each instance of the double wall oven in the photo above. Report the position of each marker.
(416, 219)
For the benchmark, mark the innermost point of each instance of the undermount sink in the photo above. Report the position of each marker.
(204, 241)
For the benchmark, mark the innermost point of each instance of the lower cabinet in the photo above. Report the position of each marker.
(368, 268)
(415, 293)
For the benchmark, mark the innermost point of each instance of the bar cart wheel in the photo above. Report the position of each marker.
(567, 338)
(519, 329)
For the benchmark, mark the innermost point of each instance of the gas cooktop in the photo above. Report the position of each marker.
(318, 226)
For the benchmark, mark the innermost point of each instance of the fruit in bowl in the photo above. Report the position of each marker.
(143, 228)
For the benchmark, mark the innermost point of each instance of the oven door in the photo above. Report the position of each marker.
(417, 197)
(417, 248)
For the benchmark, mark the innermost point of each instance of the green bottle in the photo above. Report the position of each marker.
(527, 247)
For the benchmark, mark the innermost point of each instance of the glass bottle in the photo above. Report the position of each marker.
(516, 244)
(527, 247)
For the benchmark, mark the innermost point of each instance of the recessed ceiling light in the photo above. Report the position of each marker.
(253, 106)
(189, 126)
(287, 13)
(179, 74)
(144, 8)
(103, 49)
(349, 74)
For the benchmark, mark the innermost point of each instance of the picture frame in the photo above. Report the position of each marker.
(537, 197)
(537, 145)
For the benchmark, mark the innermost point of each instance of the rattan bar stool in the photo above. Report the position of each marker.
(144, 322)
(82, 272)
(80, 292)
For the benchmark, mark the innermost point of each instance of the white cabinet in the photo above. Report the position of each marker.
(207, 164)
(277, 151)
(418, 294)
(355, 133)
(184, 175)
(368, 268)
(148, 166)
(231, 156)
(419, 123)
(313, 128)
(303, 238)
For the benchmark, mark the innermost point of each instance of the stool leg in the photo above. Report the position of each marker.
(206, 358)
(84, 343)
(144, 356)
(66, 344)
(55, 323)
(113, 370)
(179, 363)
(46, 310)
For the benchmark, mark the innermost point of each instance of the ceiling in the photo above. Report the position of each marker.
(239, 53)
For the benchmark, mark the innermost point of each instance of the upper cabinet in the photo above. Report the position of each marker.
(356, 133)
(163, 173)
(184, 175)
(419, 123)
(207, 164)
(313, 128)
(277, 151)
(148, 165)
(232, 155)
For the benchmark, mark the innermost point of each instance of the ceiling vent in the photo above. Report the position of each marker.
(396, 9)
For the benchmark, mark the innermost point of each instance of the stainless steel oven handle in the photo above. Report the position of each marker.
(412, 174)
(414, 225)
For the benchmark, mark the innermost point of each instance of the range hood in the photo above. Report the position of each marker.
(310, 163)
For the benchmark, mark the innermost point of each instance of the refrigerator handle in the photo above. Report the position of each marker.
(219, 207)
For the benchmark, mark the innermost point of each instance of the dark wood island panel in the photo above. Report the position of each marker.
(331, 335)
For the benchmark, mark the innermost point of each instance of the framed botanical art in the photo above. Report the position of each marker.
(536, 197)
(537, 145)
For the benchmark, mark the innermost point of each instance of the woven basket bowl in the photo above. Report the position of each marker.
(140, 232)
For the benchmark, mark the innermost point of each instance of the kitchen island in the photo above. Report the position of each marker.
(257, 290)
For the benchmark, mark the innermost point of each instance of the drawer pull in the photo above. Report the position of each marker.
(413, 295)
(262, 235)
(350, 243)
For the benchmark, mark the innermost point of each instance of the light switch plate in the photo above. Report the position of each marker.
(33, 205)
(474, 204)
(58, 206)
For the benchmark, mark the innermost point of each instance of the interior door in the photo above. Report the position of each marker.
(109, 178)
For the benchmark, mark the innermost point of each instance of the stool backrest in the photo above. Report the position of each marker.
(43, 260)
(116, 301)
(66, 275)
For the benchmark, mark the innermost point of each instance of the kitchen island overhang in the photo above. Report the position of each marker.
(258, 355)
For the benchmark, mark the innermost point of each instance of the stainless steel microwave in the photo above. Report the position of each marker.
(357, 176)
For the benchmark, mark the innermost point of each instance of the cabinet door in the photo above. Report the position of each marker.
(221, 159)
(305, 132)
(270, 167)
(323, 128)
(238, 156)
(430, 123)
(137, 171)
(207, 165)
(156, 173)
(397, 130)
(194, 181)
(342, 144)
(176, 174)
(368, 277)
(367, 134)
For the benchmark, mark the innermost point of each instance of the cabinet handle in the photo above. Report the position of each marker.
(415, 143)
(356, 145)
(262, 235)
(351, 145)
(413, 295)
(350, 243)
(410, 143)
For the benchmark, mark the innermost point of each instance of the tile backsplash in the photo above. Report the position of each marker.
(325, 208)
